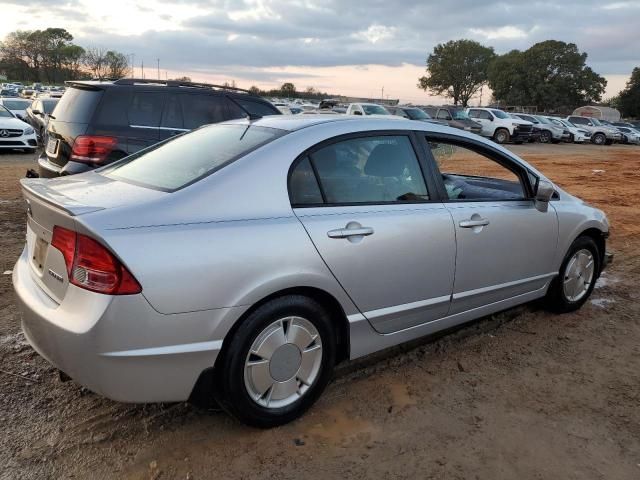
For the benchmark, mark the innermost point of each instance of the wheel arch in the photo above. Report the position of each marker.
(599, 237)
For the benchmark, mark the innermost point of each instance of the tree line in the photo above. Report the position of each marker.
(551, 75)
(50, 56)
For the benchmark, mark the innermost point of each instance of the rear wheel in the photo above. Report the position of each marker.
(599, 139)
(577, 277)
(277, 363)
(501, 135)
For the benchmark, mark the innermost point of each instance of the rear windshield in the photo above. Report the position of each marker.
(179, 162)
(77, 105)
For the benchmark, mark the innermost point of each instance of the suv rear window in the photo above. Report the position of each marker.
(256, 108)
(77, 105)
(190, 157)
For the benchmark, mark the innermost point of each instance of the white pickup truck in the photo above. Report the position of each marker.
(366, 109)
(500, 125)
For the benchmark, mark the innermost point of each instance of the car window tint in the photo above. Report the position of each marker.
(77, 105)
(184, 159)
(370, 170)
(469, 175)
(172, 115)
(234, 111)
(199, 110)
(579, 120)
(443, 114)
(256, 108)
(145, 108)
(303, 185)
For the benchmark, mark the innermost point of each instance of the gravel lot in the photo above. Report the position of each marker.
(522, 394)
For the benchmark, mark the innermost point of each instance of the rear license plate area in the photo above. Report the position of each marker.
(52, 147)
(39, 253)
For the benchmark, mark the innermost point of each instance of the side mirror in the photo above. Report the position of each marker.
(490, 119)
(356, 112)
(544, 192)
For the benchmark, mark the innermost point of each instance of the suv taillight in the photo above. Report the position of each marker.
(92, 148)
(91, 266)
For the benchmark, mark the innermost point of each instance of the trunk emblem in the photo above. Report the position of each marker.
(55, 275)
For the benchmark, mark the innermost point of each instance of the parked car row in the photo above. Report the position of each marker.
(17, 89)
(15, 133)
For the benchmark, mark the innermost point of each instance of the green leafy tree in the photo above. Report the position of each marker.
(457, 69)
(629, 98)
(117, 64)
(550, 75)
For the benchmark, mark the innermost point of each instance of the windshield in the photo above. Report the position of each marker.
(416, 114)
(191, 156)
(543, 120)
(556, 122)
(4, 113)
(595, 121)
(499, 114)
(375, 110)
(16, 104)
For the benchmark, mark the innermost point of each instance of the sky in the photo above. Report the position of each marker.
(364, 48)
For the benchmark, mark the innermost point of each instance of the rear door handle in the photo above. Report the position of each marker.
(481, 222)
(350, 232)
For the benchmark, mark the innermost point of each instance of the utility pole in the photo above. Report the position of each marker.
(142, 68)
(481, 96)
(382, 94)
(158, 69)
(132, 57)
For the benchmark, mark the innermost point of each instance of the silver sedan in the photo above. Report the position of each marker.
(242, 261)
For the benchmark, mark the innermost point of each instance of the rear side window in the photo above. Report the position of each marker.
(303, 185)
(77, 105)
(257, 108)
(201, 110)
(172, 115)
(185, 159)
(145, 108)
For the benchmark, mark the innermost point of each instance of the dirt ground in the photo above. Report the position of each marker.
(523, 394)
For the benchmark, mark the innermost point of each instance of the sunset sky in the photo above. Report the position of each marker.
(351, 47)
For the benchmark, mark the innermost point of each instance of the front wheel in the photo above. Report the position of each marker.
(277, 363)
(545, 136)
(599, 139)
(501, 136)
(577, 277)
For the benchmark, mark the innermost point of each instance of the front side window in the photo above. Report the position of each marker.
(198, 110)
(500, 114)
(187, 158)
(444, 114)
(580, 120)
(459, 114)
(378, 169)
(472, 176)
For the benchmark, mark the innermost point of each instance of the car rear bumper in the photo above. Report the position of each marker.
(119, 347)
(48, 169)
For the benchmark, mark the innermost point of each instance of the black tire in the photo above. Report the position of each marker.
(572, 138)
(545, 136)
(556, 300)
(608, 142)
(599, 139)
(230, 391)
(501, 135)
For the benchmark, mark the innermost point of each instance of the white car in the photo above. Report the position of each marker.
(17, 106)
(500, 126)
(578, 135)
(283, 108)
(366, 109)
(630, 135)
(14, 133)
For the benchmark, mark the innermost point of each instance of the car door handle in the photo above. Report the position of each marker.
(481, 222)
(350, 232)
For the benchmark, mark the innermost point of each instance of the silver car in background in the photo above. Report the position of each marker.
(243, 260)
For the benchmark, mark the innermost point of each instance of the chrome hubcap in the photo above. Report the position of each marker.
(578, 275)
(283, 362)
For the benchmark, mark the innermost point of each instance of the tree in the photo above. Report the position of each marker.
(182, 79)
(255, 90)
(288, 89)
(117, 64)
(457, 69)
(94, 61)
(551, 75)
(629, 98)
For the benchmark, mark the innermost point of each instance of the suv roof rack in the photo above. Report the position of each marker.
(178, 83)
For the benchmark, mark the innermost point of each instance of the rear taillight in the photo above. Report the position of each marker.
(92, 148)
(91, 266)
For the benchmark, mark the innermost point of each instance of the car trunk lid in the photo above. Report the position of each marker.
(61, 202)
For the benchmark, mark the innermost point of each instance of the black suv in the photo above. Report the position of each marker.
(96, 123)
